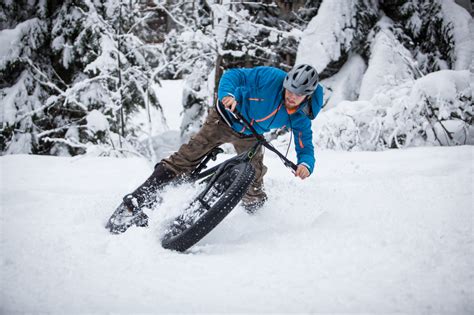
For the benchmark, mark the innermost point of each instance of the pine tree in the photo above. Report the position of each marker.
(424, 32)
(94, 73)
(403, 99)
(25, 35)
(114, 74)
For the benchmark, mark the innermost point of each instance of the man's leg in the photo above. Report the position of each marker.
(145, 194)
(181, 162)
(212, 134)
(255, 196)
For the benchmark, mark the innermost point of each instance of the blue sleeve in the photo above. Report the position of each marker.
(256, 78)
(231, 80)
(303, 137)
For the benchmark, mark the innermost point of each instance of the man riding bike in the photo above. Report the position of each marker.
(268, 98)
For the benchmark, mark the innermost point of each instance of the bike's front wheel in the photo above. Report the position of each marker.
(209, 209)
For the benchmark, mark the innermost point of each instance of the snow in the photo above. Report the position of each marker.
(9, 109)
(20, 144)
(89, 93)
(165, 138)
(368, 232)
(345, 84)
(11, 46)
(7, 40)
(463, 33)
(96, 121)
(402, 111)
(170, 96)
(106, 62)
(388, 65)
(329, 32)
(219, 14)
(445, 85)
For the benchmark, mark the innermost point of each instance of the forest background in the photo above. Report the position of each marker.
(82, 77)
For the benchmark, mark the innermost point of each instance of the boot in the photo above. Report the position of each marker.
(145, 194)
(252, 206)
(254, 199)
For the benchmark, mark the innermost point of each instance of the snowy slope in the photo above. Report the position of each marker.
(368, 232)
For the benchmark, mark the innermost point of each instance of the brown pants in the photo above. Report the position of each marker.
(213, 133)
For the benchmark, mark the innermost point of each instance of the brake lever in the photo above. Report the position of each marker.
(291, 166)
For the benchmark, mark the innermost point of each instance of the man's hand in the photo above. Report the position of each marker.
(302, 172)
(229, 103)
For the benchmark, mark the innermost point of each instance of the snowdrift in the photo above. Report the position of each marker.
(371, 232)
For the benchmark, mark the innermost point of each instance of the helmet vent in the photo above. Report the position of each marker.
(302, 79)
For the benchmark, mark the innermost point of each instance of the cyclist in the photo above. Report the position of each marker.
(267, 97)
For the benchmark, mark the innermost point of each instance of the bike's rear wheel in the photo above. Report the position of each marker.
(207, 211)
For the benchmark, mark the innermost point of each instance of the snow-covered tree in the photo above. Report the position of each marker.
(380, 61)
(23, 38)
(94, 73)
(73, 78)
(114, 76)
(73, 73)
(436, 109)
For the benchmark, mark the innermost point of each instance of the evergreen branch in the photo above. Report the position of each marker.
(409, 62)
(265, 50)
(147, 16)
(66, 94)
(298, 18)
(47, 132)
(430, 107)
(66, 141)
(122, 150)
(166, 63)
(49, 84)
(270, 5)
(59, 78)
(41, 73)
(135, 71)
(191, 61)
(242, 20)
(95, 17)
(31, 113)
(144, 46)
(162, 7)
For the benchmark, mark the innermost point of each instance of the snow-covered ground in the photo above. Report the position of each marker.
(376, 232)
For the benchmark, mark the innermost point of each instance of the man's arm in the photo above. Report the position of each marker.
(254, 78)
(303, 137)
(230, 81)
(306, 166)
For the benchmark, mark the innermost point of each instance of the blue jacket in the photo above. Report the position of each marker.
(259, 94)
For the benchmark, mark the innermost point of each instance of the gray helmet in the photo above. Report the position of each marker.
(302, 80)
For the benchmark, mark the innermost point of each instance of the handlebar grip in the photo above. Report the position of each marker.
(291, 165)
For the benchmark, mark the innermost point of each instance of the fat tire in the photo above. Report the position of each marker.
(227, 201)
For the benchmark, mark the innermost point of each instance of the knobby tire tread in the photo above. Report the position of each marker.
(226, 203)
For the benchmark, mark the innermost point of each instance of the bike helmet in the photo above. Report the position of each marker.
(302, 80)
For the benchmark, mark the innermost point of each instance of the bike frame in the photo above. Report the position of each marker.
(244, 157)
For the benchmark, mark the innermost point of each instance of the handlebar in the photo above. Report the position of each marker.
(261, 139)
